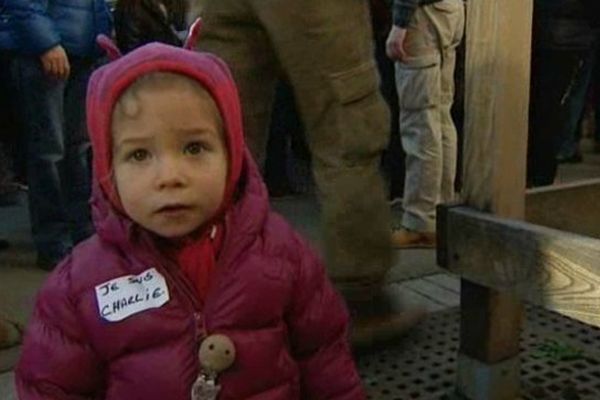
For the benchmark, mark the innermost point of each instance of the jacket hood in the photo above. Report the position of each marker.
(109, 82)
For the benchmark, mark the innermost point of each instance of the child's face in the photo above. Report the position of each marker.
(170, 160)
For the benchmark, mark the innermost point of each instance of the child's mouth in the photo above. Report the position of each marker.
(173, 209)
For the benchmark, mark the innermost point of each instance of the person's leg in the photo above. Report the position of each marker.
(299, 162)
(574, 104)
(449, 19)
(326, 49)
(424, 118)
(8, 129)
(551, 73)
(18, 149)
(42, 107)
(276, 173)
(232, 32)
(77, 182)
(393, 158)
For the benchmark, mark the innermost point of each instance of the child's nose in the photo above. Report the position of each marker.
(170, 173)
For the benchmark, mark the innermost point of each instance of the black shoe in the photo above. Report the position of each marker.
(375, 332)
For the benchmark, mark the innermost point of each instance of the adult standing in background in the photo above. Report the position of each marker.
(562, 37)
(423, 41)
(56, 51)
(325, 50)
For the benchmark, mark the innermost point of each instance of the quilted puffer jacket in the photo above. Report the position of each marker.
(269, 295)
(40, 25)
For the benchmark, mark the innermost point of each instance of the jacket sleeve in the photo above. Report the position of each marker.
(57, 362)
(318, 323)
(35, 30)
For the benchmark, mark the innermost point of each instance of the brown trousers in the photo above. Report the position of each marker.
(325, 50)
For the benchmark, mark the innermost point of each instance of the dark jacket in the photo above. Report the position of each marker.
(7, 35)
(562, 25)
(39, 25)
(592, 8)
(138, 22)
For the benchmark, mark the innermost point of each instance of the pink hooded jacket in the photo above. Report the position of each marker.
(270, 294)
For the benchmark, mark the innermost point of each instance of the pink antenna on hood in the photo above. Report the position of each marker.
(111, 49)
(193, 34)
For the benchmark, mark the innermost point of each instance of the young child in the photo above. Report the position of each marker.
(192, 287)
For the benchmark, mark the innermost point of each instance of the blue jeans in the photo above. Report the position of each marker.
(58, 155)
(11, 138)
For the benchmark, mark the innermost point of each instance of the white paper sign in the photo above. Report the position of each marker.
(127, 295)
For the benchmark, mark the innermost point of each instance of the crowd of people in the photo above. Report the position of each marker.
(182, 131)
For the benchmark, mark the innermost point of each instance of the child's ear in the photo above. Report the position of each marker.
(111, 49)
(193, 34)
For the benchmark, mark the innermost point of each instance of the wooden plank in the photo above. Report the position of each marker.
(449, 282)
(570, 207)
(497, 68)
(404, 297)
(556, 269)
(435, 292)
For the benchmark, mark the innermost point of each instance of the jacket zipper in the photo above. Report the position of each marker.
(184, 287)
(173, 275)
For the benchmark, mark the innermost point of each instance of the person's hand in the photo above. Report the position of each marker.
(56, 63)
(394, 45)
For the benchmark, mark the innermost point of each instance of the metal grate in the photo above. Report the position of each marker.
(423, 364)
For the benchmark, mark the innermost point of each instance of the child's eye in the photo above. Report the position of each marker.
(139, 155)
(194, 148)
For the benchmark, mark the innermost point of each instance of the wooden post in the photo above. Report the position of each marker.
(497, 72)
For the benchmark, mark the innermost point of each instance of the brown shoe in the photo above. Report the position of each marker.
(407, 239)
(379, 319)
